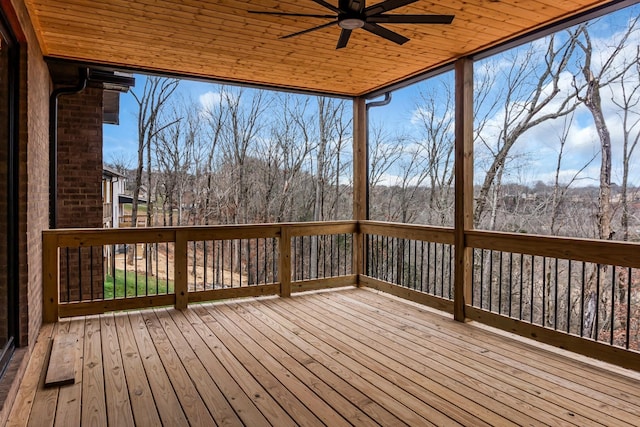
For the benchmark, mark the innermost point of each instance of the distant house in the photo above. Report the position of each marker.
(116, 203)
(113, 188)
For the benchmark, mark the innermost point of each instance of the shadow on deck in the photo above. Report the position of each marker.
(346, 357)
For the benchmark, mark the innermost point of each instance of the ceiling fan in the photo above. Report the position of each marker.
(353, 14)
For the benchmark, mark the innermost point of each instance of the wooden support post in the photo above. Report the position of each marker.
(360, 182)
(463, 184)
(50, 282)
(180, 270)
(284, 266)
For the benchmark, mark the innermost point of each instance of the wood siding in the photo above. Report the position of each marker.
(221, 40)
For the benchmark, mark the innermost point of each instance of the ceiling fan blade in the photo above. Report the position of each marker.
(383, 32)
(327, 5)
(386, 6)
(344, 39)
(351, 5)
(319, 27)
(411, 19)
(305, 15)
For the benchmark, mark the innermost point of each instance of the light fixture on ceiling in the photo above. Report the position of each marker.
(350, 23)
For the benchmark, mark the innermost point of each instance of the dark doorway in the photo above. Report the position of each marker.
(8, 193)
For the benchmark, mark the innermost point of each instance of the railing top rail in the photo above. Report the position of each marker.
(624, 254)
(78, 237)
(409, 231)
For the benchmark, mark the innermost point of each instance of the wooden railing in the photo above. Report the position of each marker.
(410, 261)
(90, 271)
(578, 294)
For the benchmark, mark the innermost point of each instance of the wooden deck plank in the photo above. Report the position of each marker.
(350, 356)
(69, 408)
(200, 318)
(513, 368)
(190, 400)
(427, 392)
(411, 409)
(24, 402)
(337, 376)
(169, 409)
(295, 378)
(115, 384)
(143, 407)
(514, 403)
(211, 395)
(404, 352)
(476, 355)
(271, 381)
(94, 409)
(243, 405)
(44, 406)
(277, 348)
(625, 388)
(62, 361)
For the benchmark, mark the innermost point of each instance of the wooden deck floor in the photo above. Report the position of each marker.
(347, 357)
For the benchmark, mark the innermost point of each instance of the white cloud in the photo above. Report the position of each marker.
(209, 100)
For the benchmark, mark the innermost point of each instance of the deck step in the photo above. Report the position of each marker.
(62, 362)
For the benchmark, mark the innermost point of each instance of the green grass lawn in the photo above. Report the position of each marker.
(147, 285)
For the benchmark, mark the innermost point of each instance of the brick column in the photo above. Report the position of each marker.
(80, 190)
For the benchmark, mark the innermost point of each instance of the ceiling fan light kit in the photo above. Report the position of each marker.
(351, 15)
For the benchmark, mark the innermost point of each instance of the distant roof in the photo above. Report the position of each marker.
(124, 199)
(110, 172)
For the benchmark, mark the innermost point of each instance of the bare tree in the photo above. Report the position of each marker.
(560, 188)
(283, 157)
(609, 71)
(155, 94)
(435, 117)
(175, 152)
(630, 132)
(530, 87)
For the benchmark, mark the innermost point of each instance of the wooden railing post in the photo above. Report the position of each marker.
(463, 185)
(50, 282)
(284, 265)
(360, 182)
(180, 270)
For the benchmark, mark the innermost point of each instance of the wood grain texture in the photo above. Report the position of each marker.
(343, 357)
(222, 40)
(70, 397)
(62, 362)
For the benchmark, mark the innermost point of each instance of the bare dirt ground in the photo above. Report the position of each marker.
(162, 269)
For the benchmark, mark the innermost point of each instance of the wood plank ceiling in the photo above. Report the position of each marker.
(219, 39)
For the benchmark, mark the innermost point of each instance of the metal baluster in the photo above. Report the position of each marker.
(521, 284)
(568, 302)
(613, 301)
(533, 277)
(584, 277)
(91, 272)
(555, 308)
(422, 265)
(510, 282)
(80, 273)
(500, 282)
(597, 321)
(490, 280)
(627, 334)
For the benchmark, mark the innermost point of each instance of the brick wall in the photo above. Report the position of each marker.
(33, 141)
(34, 184)
(80, 189)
